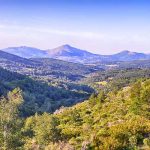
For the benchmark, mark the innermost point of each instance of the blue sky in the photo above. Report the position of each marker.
(100, 26)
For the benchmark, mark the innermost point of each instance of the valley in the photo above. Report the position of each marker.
(57, 102)
(74, 75)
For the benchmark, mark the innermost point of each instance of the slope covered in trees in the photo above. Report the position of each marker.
(115, 79)
(107, 121)
(40, 96)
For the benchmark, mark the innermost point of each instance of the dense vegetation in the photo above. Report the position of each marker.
(115, 79)
(34, 112)
(107, 121)
(40, 96)
(125, 64)
(10, 123)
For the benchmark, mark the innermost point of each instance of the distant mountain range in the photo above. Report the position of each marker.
(49, 67)
(26, 52)
(55, 68)
(7, 58)
(72, 54)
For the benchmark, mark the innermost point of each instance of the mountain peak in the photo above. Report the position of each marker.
(70, 53)
(125, 51)
(66, 46)
(25, 51)
(23, 46)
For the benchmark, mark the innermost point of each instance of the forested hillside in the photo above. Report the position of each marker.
(74, 74)
(36, 112)
(40, 96)
(115, 79)
(107, 121)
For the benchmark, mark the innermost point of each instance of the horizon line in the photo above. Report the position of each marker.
(125, 50)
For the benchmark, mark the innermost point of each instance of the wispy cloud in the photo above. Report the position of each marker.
(40, 36)
(52, 31)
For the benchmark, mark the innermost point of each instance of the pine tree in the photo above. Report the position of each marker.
(9, 121)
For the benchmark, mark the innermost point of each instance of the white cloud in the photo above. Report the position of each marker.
(52, 31)
(46, 37)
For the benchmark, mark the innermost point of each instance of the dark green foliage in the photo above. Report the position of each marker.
(39, 96)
